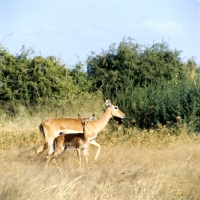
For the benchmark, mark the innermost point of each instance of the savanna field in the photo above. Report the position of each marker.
(153, 154)
(133, 164)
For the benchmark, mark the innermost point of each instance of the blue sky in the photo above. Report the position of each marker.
(71, 29)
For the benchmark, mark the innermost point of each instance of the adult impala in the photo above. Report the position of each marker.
(78, 141)
(52, 128)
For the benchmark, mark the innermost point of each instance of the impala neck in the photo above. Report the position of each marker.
(84, 134)
(102, 122)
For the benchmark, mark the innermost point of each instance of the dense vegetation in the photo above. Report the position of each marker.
(151, 84)
(34, 80)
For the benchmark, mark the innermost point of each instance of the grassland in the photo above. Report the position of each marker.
(132, 165)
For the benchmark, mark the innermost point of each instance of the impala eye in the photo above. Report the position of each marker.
(116, 107)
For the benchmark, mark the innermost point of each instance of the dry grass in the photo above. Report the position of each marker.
(122, 172)
(132, 165)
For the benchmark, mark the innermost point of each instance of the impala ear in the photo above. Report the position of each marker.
(79, 116)
(107, 102)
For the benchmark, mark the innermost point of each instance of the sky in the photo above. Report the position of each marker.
(72, 29)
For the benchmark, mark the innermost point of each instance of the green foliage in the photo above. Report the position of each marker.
(143, 65)
(29, 80)
(166, 103)
(151, 84)
(80, 79)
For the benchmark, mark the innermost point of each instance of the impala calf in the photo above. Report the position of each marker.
(78, 141)
(51, 128)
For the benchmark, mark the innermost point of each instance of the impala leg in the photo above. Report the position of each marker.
(79, 155)
(98, 148)
(41, 149)
(85, 156)
(87, 149)
(59, 149)
(51, 146)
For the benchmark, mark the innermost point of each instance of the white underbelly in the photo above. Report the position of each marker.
(68, 131)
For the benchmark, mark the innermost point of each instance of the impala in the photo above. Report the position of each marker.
(52, 128)
(78, 141)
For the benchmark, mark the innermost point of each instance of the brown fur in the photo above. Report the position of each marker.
(80, 141)
(53, 127)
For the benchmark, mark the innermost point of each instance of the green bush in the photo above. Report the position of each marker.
(151, 84)
(30, 80)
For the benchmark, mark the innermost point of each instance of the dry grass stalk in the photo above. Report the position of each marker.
(132, 165)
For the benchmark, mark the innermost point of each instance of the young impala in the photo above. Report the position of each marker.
(52, 128)
(78, 141)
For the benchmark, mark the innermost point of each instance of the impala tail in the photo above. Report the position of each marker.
(41, 130)
(44, 147)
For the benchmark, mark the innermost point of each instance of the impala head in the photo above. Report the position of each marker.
(115, 111)
(84, 121)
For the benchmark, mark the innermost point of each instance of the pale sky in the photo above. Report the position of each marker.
(71, 29)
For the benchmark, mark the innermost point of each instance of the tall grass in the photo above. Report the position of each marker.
(23, 129)
(122, 172)
(133, 163)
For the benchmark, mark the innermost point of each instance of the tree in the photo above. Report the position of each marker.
(151, 83)
(28, 79)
